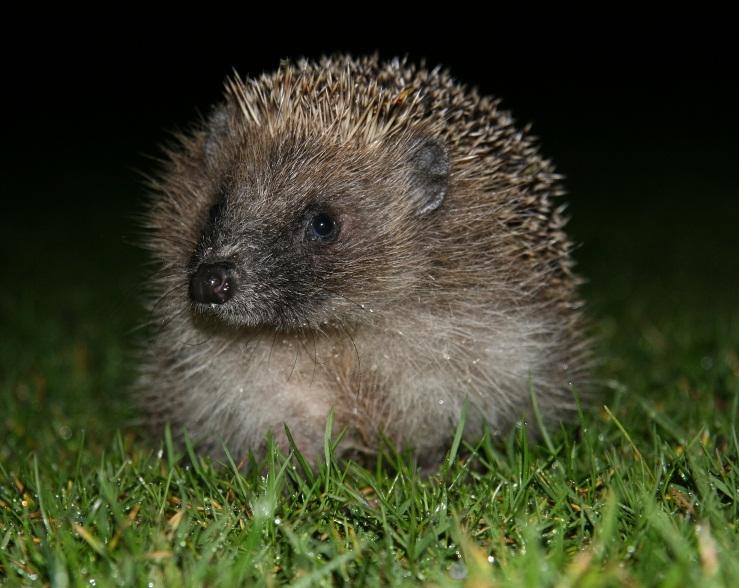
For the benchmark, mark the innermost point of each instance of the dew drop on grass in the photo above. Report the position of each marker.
(458, 571)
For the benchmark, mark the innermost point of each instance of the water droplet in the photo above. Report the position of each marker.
(458, 571)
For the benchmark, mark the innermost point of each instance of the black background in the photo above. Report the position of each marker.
(610, 107)
(643, 126)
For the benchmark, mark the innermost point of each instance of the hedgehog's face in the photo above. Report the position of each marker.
(300, 235)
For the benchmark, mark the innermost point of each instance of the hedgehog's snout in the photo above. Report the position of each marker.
(213, 283)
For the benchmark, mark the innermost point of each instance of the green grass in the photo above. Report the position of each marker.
(643, 492)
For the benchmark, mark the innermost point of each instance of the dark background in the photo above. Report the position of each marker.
(644, 129)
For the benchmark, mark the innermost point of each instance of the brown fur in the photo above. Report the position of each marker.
(409, 316)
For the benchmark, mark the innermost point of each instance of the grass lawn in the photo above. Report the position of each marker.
(645, 491)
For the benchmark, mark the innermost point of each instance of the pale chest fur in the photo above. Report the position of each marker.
(408, 381)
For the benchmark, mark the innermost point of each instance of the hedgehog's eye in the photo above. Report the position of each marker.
(322, 227)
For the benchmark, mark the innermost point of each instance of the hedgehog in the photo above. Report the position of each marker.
(365, 239)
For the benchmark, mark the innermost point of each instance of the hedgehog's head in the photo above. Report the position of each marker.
(298, 230)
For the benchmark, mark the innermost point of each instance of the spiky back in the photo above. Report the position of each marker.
(502, 188)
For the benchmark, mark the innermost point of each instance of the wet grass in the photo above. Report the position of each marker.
(643, 492)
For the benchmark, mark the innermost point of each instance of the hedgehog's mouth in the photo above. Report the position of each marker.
(238, 294)
(227, 318)
(215, 297)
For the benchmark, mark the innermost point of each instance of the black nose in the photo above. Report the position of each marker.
(213, 283)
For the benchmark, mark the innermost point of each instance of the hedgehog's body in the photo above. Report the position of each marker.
(364, 237)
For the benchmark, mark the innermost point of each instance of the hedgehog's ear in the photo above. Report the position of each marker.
(429, 175)
(217, 125)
